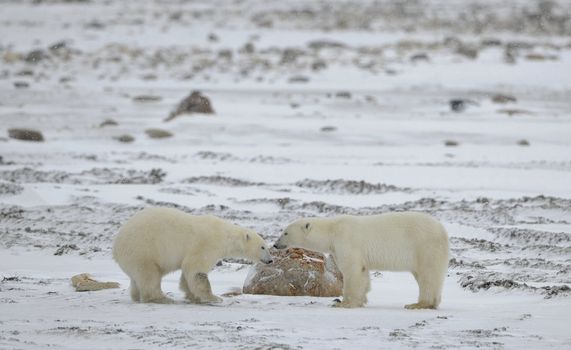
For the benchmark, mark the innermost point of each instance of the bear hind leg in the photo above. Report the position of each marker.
(429, 289)
(134, 290)
(148, 280)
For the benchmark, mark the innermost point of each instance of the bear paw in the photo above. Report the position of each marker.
(212, 299)
(162, 300)
(421, 305)
(344, 304)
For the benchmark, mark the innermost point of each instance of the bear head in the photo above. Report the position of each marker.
(303, 233)
(254, 247)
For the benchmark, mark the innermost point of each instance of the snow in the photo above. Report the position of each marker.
(265, 159)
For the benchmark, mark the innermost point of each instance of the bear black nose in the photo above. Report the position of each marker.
(276, 246)
(270, 261)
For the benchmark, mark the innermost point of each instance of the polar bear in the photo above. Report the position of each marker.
(156, 241)
(405, 241)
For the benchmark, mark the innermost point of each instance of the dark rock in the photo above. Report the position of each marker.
(64, 249)
(420, 57)
(108, 122)
(328, 129)
(21, 85)
(318, 65)
(26, 135)
(458, 105)
(347, 186)
(58, 46)
(36, 56)
(248, 48)
(8, 188)
(491, 42)
(298, 79)
(500, 98)
(523, 142)
(539, 57)
(451, 143)
(194, 103)
(296, 272)
(158, 133)
(325, 44)
(126, 138)
(225, 53)
(343, 94)
(290, 55)
(467, 51)
(213, 38)
(147, 98)
(514, 111)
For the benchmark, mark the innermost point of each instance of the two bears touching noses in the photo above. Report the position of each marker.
(157, 241)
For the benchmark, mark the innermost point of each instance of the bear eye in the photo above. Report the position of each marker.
(263, 248)
(285, 233)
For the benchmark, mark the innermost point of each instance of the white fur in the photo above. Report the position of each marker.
(406, 241)
(157, 241)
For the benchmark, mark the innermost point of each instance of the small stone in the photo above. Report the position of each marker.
(58, 46)
(25, 135)
(514, 111)
(147, 98)
(420, 57)
(467, 51)
(458, 105)
(225, 53)
(328, 129)
(500, 98)
(523, 142)
(248, 48)
(298, 79)
(296, 272)
(491, 42)
(318, 65)
(451, 143)
(126, 138)
(539, 57)
(84, 283)
(36, 56)
(108, 122)
(194, 103)
(213, 38)
(64, 249)
(325, 44)
(150, 76)
(290, 55)
(21, 85)
(158, 133)
(343, 94)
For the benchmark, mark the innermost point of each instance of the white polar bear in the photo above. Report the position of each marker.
(157, 241)
(406, 241)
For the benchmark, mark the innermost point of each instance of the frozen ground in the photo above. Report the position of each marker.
(321, 108)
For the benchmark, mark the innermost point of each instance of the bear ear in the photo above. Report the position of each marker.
(306, 227)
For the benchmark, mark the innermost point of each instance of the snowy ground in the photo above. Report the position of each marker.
(321, 108)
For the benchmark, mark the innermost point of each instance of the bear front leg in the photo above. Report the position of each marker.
(356, 284)
(184, 286)
(199, 287)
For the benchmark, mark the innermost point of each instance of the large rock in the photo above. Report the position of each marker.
(194, 103)
(25, 135)
(296, 272)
